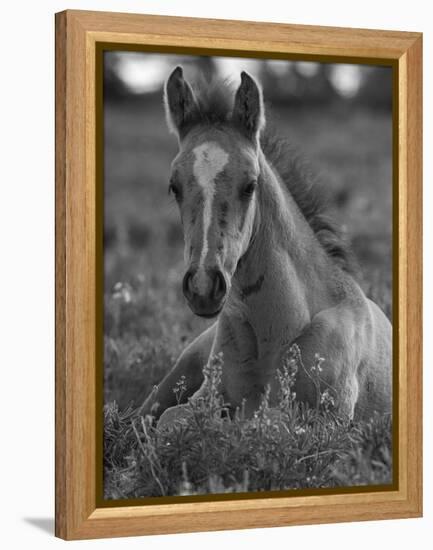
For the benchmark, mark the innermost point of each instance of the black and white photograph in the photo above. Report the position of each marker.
(248, 275)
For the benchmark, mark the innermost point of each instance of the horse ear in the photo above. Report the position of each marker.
(180, 103)
(248, 110)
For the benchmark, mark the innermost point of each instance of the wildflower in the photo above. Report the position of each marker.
(317, 363)
(290, 362)
(326, 400)
(299, 430)
(213, 372)
(211, 398)
(122, 292)
(180, 388)
(287, 376)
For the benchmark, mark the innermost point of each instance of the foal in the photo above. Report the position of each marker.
(262, 259)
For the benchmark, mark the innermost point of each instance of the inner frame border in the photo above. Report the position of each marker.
(100, 48)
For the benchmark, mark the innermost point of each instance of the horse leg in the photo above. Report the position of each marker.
(375, 372)
(190, 365)
(331, 337)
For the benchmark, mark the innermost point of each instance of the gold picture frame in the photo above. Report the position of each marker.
(81, 37)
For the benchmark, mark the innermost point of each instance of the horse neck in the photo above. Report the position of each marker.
(285, 277)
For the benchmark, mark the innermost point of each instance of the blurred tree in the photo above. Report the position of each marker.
(376, 89)
(114, 87)
(294, 83)
(315, 87)
(202, 66)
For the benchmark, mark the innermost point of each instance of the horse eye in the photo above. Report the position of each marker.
(249, 188)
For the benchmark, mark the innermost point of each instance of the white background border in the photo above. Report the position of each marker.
(27, 270)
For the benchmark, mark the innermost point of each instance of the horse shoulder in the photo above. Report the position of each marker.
(342, 335)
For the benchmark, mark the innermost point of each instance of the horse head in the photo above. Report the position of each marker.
(215, 181)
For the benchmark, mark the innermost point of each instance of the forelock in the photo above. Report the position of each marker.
(214, 100)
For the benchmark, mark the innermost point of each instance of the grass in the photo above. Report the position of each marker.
(202, 450)
(147, 323)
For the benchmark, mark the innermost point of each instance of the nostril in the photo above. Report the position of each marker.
(187, 284)
(219, 287)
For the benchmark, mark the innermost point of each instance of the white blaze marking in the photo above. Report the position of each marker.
(210, 160)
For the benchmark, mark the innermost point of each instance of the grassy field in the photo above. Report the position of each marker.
(147, 323)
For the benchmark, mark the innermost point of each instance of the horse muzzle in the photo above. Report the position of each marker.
(205, 291)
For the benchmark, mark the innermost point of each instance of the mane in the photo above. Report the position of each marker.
(215, 103)
(310, 197)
